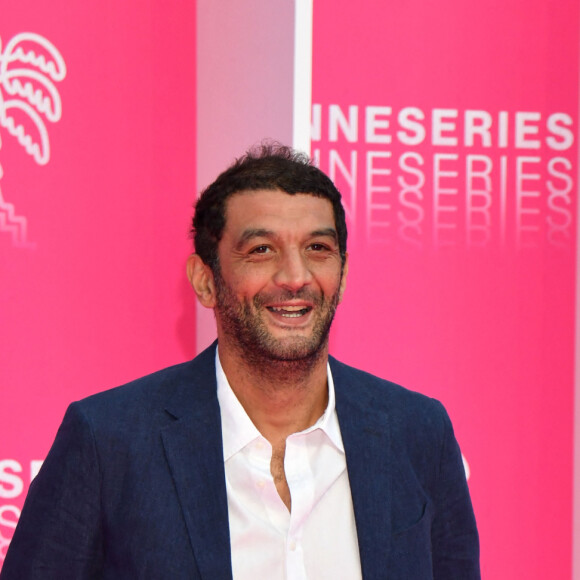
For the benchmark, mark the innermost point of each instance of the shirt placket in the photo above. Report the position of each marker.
(302, 490)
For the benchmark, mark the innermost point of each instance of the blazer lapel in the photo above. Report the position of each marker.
(365, 433)
(193, 447)
(194, 451)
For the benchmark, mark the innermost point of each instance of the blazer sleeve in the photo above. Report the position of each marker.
(454, 537)
(59, 535)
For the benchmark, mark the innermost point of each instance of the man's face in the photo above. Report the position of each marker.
(280, 276)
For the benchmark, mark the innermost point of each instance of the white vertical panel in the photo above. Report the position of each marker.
(302, 75)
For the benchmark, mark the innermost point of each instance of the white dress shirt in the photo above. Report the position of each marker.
(317, 539)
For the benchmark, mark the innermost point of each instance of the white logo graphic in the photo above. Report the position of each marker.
(29, 67)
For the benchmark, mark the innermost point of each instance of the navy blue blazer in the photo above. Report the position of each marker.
(134, 485)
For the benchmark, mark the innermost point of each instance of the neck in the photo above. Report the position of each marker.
(280, 397)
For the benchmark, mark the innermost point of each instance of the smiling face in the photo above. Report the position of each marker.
(280, 275)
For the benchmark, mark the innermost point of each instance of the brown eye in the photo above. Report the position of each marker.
(260, 250)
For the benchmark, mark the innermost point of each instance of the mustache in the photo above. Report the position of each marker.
(287, 295)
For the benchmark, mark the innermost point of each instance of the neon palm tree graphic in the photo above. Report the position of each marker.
(29, 67)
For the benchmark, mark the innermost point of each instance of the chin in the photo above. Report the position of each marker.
(294, 349)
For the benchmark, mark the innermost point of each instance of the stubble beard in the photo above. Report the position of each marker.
(245, 328)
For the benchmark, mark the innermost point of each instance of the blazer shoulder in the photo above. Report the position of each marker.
(409, 413)
(369, 385)
(185, 383)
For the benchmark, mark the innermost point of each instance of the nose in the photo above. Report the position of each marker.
(293, 272)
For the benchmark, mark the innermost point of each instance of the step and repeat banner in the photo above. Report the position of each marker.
(97, 182)
(451, 129)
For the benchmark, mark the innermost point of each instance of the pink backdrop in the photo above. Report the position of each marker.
(451, 129)
(97, 295)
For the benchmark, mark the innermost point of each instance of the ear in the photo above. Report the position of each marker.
(201, 278)
(343, 279)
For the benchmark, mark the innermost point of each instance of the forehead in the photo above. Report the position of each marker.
(276, 210)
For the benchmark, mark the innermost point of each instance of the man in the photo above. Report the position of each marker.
(263, 458)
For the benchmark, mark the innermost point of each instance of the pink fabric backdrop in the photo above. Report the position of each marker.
(451, 129)
(98, 295)
(460, 185)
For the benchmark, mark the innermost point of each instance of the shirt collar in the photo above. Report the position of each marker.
(238, 429)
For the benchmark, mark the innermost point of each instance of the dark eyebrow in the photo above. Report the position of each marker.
(326, 232)
(250, 234)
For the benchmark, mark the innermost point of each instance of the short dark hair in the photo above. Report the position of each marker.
(269, 166)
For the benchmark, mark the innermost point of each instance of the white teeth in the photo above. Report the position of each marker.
(289, 311)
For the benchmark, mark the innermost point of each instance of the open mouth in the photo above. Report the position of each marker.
(290, 311)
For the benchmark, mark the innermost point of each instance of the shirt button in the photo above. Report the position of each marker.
(260, 483)
(260, 445)
(292, 545)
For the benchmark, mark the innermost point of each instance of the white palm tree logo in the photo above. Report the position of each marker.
(29, 67)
